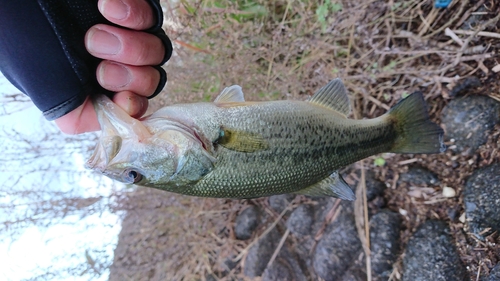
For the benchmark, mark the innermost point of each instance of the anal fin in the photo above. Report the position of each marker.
(333, 186)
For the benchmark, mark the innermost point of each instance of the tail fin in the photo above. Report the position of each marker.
(416, 132)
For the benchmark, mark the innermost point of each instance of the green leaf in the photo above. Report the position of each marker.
(379, 162)
(336, 7)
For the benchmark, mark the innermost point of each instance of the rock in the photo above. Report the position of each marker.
(419, 176)
(374, 187)
(384, 239)
(210, 277)
(338, 247)
(357, 269)
(474, 20)
(320, 211)
(482, 199)
(306, 244)
(494, 273)
(467, 120)
(431, 255)
(354, 275)
(280, 202)
(260, 254)
(246, 222)
(465, 86)
(229, 264)
(300, 220)
(278, 271)
(285, 268)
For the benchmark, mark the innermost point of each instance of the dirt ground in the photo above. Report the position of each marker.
(383, 50)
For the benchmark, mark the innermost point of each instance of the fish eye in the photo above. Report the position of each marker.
(132, 176)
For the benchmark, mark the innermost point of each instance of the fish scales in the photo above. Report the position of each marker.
(237, 149)
(306, 143)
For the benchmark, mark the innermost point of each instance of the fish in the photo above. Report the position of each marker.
(232, 148)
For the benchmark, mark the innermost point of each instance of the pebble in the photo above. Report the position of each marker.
(419, 176)
(449, 192)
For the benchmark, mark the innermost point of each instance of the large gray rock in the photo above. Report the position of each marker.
(468, 120)
(280, 202)
(260, 254)
(384, 238)
(482, 199)
(304, 245)
(246, 222)
(354, 274)
(300, 220)
(338, 247)
(285, 268)
(278, 271)
(431, 255)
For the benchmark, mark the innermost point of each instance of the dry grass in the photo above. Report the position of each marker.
(383, 50)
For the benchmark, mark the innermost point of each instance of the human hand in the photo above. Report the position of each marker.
(128, 54)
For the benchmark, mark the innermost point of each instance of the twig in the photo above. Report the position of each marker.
(277, 250)
(477, 57)
(329, 218)
(468, 12)
(480, 33)
(362, 222)
(426, 22)
(467, 41)
(409, 161)
(189, 46)
(452, 35)
(463, 3)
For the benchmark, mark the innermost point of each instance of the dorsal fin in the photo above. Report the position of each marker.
(230, 94)
(333, 95)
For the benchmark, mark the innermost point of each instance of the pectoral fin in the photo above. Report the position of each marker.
(241, 141)
(333, 186)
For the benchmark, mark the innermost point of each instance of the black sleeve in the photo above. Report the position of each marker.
(42, 51)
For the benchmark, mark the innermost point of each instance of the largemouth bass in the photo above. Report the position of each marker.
(237, 149)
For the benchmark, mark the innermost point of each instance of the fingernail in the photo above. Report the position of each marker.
(136, 106)
(103, 42)
(116, 9)
(114, 76)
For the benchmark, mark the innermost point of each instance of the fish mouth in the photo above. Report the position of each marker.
(96, 161)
